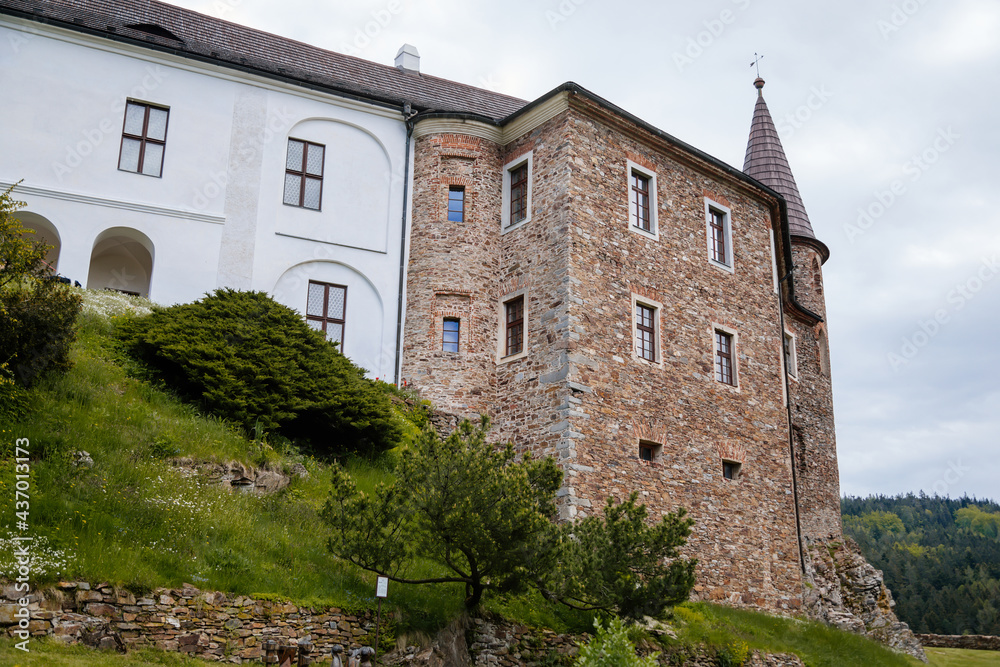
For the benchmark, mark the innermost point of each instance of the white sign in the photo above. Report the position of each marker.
(382, 587)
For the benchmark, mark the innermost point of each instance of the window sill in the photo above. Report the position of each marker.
(516, 225)
(653, 235)
(728, 268)
(512, 357)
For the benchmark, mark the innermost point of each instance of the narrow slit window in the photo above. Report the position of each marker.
(144, 139)
(724, 371)
(514, 326)
(326, 309)
(639, 201)
(645, 332)
(456, 204)
(450, 331)
(518, 194)
(304, 174)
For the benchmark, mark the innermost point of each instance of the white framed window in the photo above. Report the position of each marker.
(642, 205)
(512, 337)
(719, 235)
(725, 349)
(515, 208)
(791, 358)
(646, 337)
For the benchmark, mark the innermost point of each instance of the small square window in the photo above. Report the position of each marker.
(514, 326)
(450, 331)
(649, 451)
(725, 370)
(456, 204)
(144, 139)
(326, 309)
(731, 469)
(304, 174)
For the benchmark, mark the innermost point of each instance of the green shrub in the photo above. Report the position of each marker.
(251, 360)
(611, 647)
(36, 311)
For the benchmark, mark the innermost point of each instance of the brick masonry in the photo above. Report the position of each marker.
(580, 393)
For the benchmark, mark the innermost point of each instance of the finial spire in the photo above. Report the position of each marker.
(756, 62)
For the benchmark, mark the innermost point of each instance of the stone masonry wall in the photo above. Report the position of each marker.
(811, 390)
(212, 625)
(745, 534)
(453, 272)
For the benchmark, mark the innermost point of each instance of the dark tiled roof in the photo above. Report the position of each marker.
(765, 161)
(237, 46)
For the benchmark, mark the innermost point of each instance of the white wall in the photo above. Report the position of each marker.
(215, 218)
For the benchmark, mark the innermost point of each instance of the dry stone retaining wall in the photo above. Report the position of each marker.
(974, 642)
(213, 625)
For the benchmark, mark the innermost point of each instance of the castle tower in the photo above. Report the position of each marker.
(807, 350)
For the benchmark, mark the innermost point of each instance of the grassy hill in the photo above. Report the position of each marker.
(134, 519)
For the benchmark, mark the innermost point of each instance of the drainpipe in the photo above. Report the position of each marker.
(788, 410)
(408, 115)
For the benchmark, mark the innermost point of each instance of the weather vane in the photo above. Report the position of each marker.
(756, 63)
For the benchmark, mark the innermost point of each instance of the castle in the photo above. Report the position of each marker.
(613, 297)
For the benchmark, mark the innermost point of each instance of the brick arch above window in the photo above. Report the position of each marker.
(649, 432)
(731, 450)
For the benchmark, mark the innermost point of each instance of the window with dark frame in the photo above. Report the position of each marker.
(639, 201)
(649, 451)
(144, 139)
(304, 174)
(724, 358)
(326, 307)
(514, 327)
(518, 194)
(731, 469)
(645, 332)
(717, 226)
(450, 330)
(456, 204)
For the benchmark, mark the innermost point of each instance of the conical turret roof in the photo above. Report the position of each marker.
(765, 161)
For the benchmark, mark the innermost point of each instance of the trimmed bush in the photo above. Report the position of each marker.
(253, 361)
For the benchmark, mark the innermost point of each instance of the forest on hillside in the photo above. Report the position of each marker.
(940, 557)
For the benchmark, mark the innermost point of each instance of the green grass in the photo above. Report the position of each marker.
(818, 645)
(957, 657)
(53, 653)
(134, 520)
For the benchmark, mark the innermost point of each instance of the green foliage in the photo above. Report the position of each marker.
(21, 257)
(253, 361)
(733, 654)
(477, 512)
(36, 312)
(940, 558)
(619, 563)
(611, 647)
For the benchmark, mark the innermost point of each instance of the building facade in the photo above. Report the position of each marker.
(648, 315)
(641, 312)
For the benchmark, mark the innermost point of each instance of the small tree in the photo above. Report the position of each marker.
(621, 564)
(20, 255)
(611, 647)
(482, 515)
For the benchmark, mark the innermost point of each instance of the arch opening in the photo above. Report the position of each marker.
(122, 260)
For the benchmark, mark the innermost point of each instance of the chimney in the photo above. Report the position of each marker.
(408, 59)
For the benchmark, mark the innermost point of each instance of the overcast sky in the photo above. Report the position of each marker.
(888, 113)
